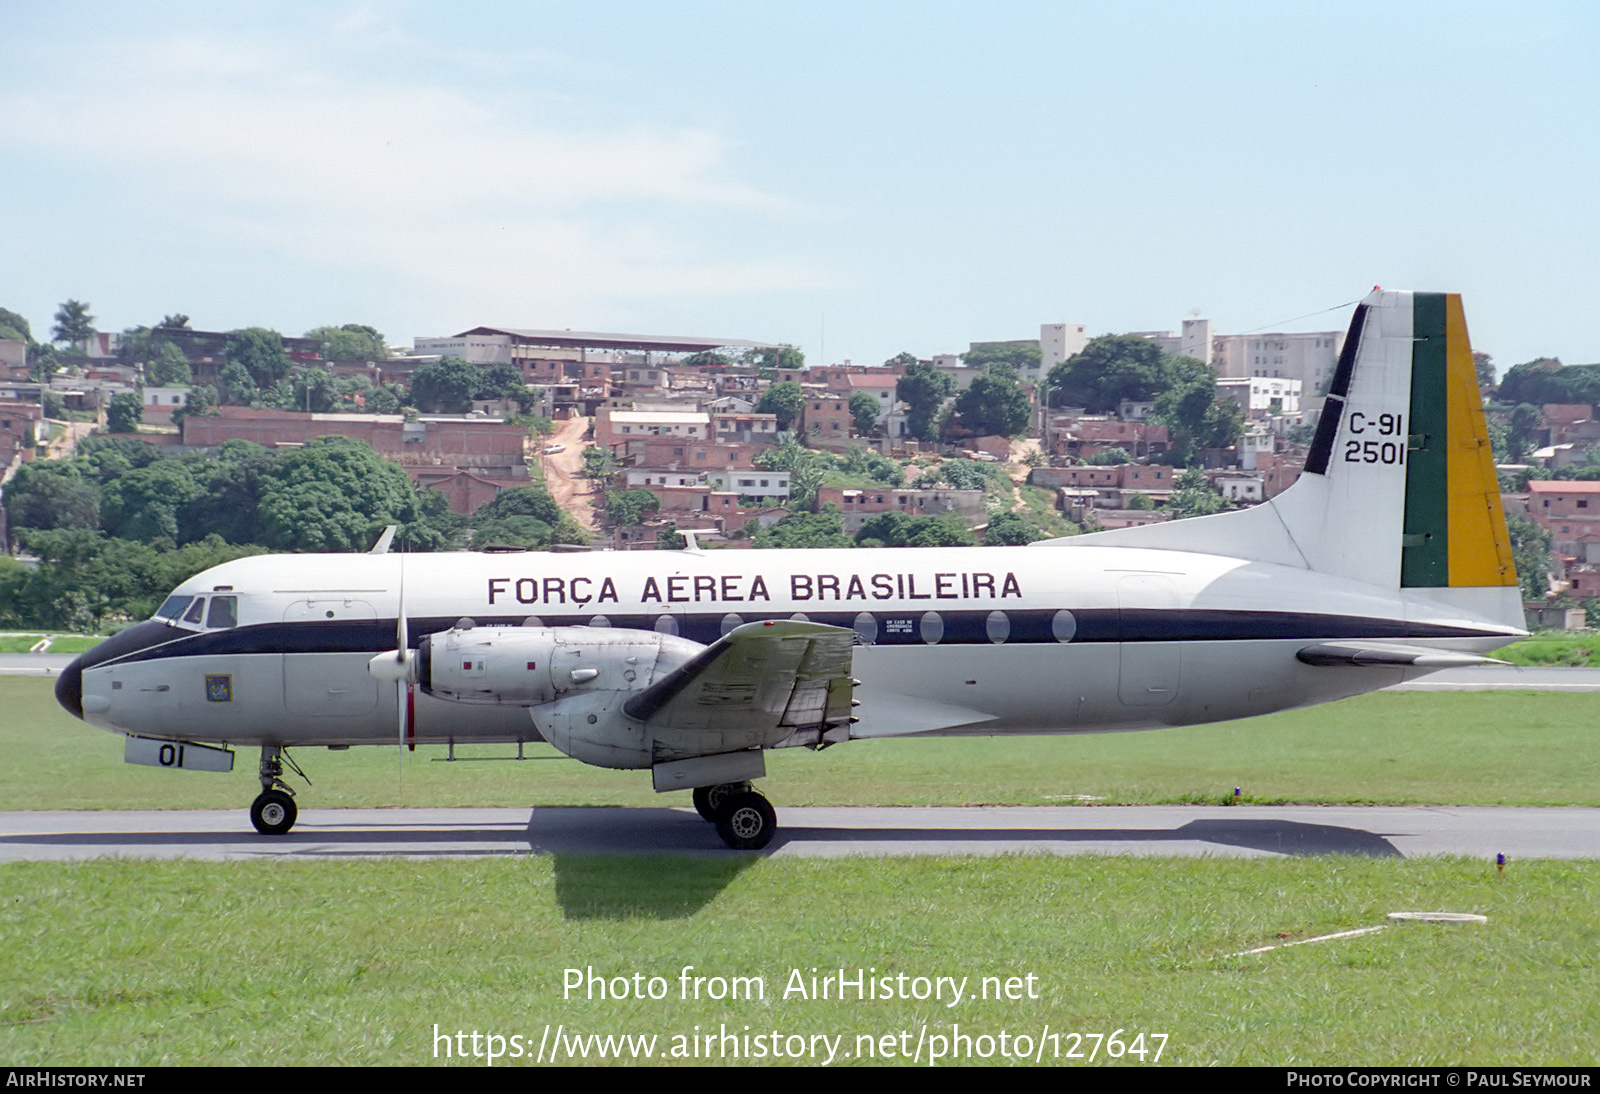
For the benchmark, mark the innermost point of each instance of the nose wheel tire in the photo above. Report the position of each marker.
(273, 813)
(708, 799)
(746, 821)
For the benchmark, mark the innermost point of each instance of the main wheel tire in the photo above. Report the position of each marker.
(708, 799)
(746, 821)
(273, 813)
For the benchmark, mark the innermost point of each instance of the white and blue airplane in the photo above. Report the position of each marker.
(1388, 559)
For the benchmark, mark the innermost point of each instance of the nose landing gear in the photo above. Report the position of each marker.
(273, 812)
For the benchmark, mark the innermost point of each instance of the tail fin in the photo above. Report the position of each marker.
(1399, 488)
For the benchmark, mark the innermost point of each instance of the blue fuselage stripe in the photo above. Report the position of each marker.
(1095, 625)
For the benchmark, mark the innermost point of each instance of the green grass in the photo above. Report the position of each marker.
(1041, 509)
(59, 643)
(1555, 648)
(1489, 748)
(287, 962)
(136, 964)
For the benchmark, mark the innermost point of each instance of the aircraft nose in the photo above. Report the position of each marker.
(69, 687)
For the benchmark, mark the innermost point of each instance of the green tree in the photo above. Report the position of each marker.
(1522, 426)
(1192, 496)
(1484, 365)
(446, 386)
(229, 506)
(1110, 457)
(1018, 356)
(351, 342)
(176, 321)
(784, 356)
(260, 353)
(47, 494)
(1009, 530)
(74, 326)
(384, 399)
(234, 386)
(125, 412)
(967, 474)
(15, 326)
(524, 516)
(145, 503)
(1530, 552)
(1194, 414)
(994, 404)
(903, 359)
(625, 508)
(824, 529)
(43, 362)
(894, 529)
(923, 389)
(315, 390)
(598, 463)
(169, 367)
(706, 359)
(785, 400)
(1106, 371)
(864, 412)
(335, 494)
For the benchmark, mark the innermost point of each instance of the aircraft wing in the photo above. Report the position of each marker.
(780, 673)
(1389, 653)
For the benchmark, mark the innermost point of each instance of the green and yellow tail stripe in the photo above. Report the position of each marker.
(1455, 532)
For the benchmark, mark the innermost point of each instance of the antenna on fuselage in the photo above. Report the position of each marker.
(382, 546)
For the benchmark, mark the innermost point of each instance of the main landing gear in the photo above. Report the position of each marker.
(744, 818)
(273, 812)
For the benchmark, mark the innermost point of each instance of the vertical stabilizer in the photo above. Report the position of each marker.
(1399, 488)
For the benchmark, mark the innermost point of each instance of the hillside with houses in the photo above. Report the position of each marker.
(528, 438)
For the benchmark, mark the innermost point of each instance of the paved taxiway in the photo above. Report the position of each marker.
(1191, 831)
(1479, 831)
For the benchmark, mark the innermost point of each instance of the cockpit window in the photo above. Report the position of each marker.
(196, 611)
(173, 607)
(224, 612)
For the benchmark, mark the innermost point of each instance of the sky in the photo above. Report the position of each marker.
(857, 179)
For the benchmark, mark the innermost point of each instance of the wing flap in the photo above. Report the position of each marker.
(764, 676)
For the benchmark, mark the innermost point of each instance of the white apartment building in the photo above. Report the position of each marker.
(1057, 342)
(750, 482)
(1260, 396)
(1308, 358)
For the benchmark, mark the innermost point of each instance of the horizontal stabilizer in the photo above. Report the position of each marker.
(1383, 653)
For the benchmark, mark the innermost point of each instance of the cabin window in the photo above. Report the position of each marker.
(599, 621)
(730, 621)
(867, 628)
(998, 627)
(665, 624)
(224, 612)
(932, 628)
(1063, 625)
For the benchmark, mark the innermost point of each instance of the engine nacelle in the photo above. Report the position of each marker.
(529, 666)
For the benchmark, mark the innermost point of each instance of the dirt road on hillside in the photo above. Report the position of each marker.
(574, 494)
